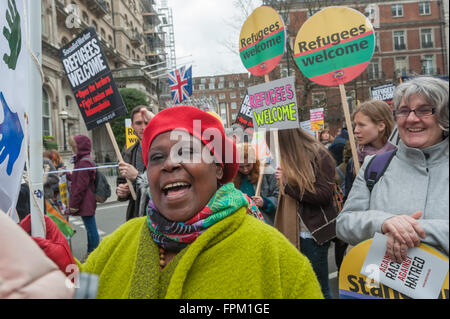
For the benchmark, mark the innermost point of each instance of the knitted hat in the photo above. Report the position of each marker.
(182, 118)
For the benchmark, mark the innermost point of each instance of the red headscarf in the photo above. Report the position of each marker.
(182, 118)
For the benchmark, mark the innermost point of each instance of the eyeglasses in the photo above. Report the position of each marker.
(419, 112)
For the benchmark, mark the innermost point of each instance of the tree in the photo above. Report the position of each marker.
(131, 98)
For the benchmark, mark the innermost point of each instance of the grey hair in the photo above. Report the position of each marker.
(435, 92)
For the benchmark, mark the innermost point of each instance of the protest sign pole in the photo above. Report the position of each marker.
(119, 156)
(262, 165)
(275, 132)
(35, 169)
(349, 127)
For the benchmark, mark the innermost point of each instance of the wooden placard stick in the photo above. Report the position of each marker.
(348, 121)
(262, 166)
(119, 156)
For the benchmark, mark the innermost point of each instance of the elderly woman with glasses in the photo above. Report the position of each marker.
(409, 203)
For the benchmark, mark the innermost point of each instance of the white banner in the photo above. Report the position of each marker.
(420, 276)
(13, 101)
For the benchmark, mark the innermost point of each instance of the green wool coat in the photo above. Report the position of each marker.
(240, 257)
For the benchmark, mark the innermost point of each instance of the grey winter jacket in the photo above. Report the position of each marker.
(415, 180)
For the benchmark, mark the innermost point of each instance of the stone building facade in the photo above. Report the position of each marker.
(120, 25)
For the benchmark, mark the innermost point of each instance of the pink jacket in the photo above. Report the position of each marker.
(25, 271)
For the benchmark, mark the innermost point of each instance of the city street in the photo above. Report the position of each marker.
(111, 215)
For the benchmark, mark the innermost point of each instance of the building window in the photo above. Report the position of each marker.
(373, 70)
(46, 117)
(377, 41)
(426, 37)
(428, 65)
(424, 8)
(241, 84)
(223, 109)
(399, 40)
(68, 101)
(212, 86)
(201, 87)
(231, 84)
(64, 41)
(203, 80)
(220, 85)
(351, 100)
(233, 116)
(233, 105)
(318, 99)
(401, 65)
(232, 95)
(397, 10)
(103, 33)
(222, 96)
(85, 17)
(221, 79)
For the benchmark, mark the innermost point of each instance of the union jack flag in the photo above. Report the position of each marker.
(180, 82)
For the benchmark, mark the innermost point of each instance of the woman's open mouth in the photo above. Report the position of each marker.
(415, 130)
(176, 190)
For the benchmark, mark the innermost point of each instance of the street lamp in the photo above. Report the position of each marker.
(64, 116)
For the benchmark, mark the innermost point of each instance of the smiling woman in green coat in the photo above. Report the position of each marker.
(199, 238)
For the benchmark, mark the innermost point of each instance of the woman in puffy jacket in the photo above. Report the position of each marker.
(25, 271)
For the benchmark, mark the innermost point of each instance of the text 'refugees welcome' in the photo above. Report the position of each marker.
(85, 63)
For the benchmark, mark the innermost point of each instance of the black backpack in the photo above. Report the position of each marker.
(102, 189)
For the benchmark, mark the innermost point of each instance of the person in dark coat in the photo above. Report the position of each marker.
(133, 164)
(337, 147)
(307, 177)
(82, 199)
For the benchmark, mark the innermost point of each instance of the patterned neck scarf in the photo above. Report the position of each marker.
(174, 236)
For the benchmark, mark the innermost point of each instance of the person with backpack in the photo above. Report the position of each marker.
(373, 124)
(82, 188)
(404, 194)
(337, 146)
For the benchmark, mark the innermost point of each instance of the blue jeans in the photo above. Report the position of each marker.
(318, 256)
(93, 239)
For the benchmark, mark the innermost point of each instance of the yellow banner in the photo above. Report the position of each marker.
(129, 134)
(63, 194)
(354, 285)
